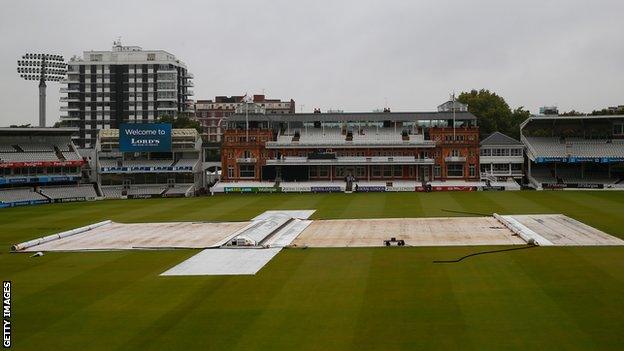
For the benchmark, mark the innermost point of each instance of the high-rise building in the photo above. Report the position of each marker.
(549, 111)
(124, 85)
(210, 113)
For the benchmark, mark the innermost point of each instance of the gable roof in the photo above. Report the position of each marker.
(498, 138)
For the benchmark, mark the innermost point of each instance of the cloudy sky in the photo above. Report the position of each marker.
(354, 55)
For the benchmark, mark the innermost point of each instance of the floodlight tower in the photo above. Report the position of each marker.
(42, 67)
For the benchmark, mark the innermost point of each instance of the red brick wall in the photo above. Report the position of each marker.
(234, 147)
(468, 148)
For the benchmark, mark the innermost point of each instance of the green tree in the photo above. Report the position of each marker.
(181, 121)
(572, 113)
(607, 112)
(493, 113)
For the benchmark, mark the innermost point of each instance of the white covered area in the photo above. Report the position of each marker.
(300, 214)
(268, 229)
(415, 231)
(128, 236)
(260, 230)
(558, 230)
(224, 262)
(69, 191)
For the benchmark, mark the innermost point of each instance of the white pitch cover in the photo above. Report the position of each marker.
(224, 262)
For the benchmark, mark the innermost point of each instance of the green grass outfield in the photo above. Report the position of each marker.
(321, 299)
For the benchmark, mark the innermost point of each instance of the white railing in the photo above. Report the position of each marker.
(293, 160)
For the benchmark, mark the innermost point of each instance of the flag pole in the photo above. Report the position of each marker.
(246, 118)
(453, 107)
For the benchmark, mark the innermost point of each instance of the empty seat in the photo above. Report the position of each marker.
(179, 189)
(21, 194)
(69, 191)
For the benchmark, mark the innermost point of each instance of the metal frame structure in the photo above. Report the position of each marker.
(42, 67)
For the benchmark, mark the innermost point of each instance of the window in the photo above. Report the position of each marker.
(398, 171)
(501, 167)
(376, 170)
(230, 172)
(455, 153)
(436, 171)
(151, 57)
(323, 171)
(340, 171)
(500, 152)
(387, 171)
(472, 171)
(455, 170)
(313, 172)
(247, 171)
(618, 128)
(360, 171)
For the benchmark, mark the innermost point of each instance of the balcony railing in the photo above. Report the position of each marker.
(69, 90)
(455, 159)
(351, 144)
(246, 160)
(69, 118)
(352, 160)
(70, 108)
(69, 99)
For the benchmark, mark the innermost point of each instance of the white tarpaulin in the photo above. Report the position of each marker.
(224, 262)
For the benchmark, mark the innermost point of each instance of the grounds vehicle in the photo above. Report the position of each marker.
(394, 240)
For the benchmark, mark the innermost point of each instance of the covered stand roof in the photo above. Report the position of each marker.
(37, 131)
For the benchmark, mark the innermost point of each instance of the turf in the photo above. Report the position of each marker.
(321, 299)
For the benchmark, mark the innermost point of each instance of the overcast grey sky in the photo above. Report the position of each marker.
(353, 55)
